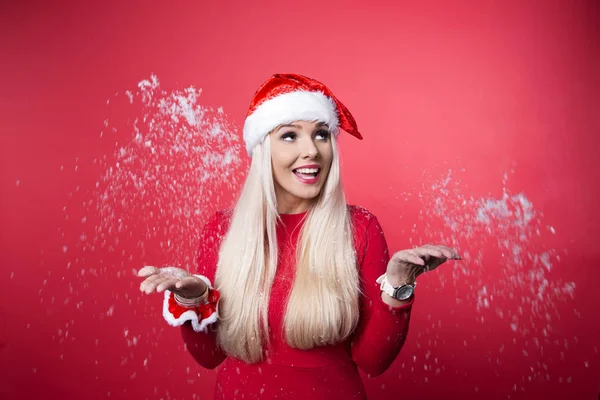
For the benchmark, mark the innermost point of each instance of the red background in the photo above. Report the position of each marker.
(481, 89)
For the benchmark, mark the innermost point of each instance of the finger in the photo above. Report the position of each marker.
(175, 272)
(448, 252)
(453, 254)
(167, 284)
(151, 286)
(411, 257)
(429, 250)
(430, 262)
(148, 281)
(187, 282)
(147, 271)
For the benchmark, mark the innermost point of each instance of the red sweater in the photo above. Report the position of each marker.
(322, 372)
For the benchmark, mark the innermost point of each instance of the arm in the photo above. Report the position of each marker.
(197, 328)
(383, 324)
(201, 342)
(202, 346)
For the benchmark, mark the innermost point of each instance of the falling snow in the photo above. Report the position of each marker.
(182, 159)
(174, 162)
(161, 185)
(505, 275)
(507, 225)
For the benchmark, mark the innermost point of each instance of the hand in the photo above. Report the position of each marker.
(177, 280)
(406, 265)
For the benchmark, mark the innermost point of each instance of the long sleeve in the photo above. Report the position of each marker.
(382, 329)
(203, 345)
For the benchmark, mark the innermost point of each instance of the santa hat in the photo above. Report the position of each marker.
(285, 98)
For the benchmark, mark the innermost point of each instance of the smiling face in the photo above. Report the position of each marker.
(301, 155)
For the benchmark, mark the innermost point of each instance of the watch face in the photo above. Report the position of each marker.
(404, 292)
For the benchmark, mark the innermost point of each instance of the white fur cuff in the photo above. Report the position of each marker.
(200, 317)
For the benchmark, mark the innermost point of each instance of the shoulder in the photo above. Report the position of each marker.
(364, 224)
(368, 234)
(223, 215)
(360, 216)
(369, 238)
(216, 226)
(211, 237)
(219, 221)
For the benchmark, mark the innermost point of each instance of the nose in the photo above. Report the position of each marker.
(309, 150)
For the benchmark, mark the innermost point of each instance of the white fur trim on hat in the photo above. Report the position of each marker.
(285, 109)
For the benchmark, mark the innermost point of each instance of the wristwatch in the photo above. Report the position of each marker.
(402, 292)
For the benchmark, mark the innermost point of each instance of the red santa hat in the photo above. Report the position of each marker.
(285, 98)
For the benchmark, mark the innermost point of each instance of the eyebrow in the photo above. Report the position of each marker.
(298, 126)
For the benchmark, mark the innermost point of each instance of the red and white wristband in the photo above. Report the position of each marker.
(200, 316)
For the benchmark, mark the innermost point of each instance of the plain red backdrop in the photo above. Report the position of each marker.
(485, 88)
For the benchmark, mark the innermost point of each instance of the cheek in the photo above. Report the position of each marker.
(328, 159)
(281, 156)
(281, 171)
(327, 154)
(282, 161)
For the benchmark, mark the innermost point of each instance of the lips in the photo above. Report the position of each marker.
(308, 174)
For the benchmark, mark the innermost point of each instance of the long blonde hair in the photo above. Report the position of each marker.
(323, 305)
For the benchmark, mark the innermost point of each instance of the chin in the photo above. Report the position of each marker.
(309, 195)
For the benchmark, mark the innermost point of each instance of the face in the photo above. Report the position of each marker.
(301, 154)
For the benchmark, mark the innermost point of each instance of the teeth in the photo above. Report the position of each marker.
(308, 170)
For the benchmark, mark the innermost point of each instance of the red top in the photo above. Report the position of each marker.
(322, 372)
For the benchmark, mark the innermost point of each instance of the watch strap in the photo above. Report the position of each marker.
(390, 290)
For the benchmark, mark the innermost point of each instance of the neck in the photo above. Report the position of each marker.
(292, 208)
(287, 204)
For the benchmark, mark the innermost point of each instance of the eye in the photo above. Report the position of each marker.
(288, 136)
(323, 134)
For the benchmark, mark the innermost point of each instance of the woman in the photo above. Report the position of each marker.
(307, 292)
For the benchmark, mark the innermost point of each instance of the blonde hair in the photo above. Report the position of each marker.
(323, 305)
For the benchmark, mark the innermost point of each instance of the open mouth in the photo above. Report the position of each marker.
(307, 175)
